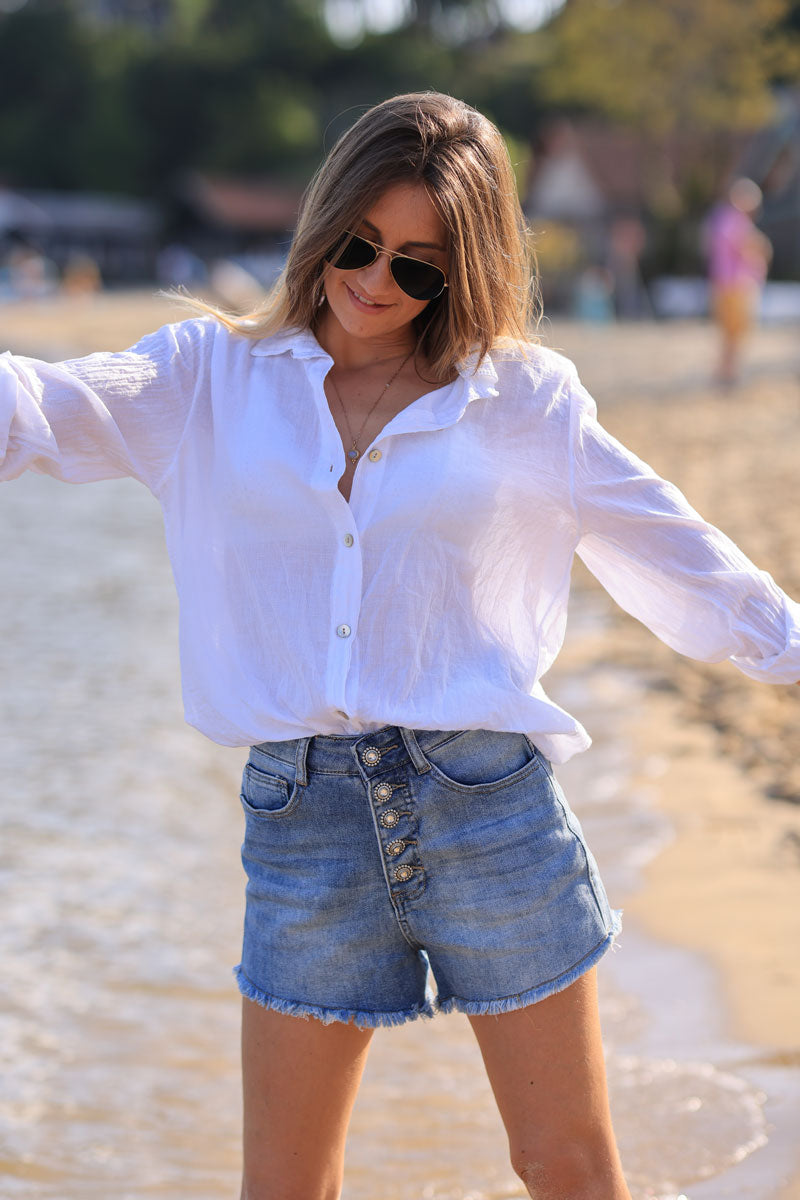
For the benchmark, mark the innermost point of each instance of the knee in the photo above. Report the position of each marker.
(580, 1169)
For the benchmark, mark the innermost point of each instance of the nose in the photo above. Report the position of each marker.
(377, 275)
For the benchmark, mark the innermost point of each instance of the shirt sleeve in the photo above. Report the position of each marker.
(104, 416)
(668, 567)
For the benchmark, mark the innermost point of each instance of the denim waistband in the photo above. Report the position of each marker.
(339, 754)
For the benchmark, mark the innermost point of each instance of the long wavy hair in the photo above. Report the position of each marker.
(461, 159)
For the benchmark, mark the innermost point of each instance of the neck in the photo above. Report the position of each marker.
(352, 353)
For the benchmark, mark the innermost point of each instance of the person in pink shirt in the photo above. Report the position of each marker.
(738, 258)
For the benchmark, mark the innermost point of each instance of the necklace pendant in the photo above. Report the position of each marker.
(353, 454)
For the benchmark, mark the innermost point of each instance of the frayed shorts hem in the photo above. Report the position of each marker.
(493, 1008)
(294, 1008)
(371, 1020)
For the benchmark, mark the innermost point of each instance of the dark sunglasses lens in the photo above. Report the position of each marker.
(421, 281)
(350, 253)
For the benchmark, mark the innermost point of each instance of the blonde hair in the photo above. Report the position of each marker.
(461, 159)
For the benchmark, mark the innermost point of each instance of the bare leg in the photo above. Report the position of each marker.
(300, 1081)
(730, 358)
(545, 1064)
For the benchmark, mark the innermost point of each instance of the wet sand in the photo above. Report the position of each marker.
(716, 753)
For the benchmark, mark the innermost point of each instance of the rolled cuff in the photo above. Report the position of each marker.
(24, 432)
(784, 665)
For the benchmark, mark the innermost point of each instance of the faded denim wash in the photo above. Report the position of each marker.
(375, 859)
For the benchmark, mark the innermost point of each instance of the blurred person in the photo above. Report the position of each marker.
(738, 257)
(81, 276)
(373, 488)
(30, 275)
(594, 291)
(626, 245)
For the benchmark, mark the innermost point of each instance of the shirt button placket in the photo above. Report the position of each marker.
(346, 598)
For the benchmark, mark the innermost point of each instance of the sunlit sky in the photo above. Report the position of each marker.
(347, 19)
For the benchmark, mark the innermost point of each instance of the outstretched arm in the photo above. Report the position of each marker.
(104, 416)
(668, 567)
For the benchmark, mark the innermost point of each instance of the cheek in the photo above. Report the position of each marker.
(330, 279)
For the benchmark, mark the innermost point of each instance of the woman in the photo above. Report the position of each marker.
(371, 521)
(738, 258)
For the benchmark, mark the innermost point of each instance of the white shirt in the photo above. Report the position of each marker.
(437, 598)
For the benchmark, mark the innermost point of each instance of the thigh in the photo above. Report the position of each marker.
(300, 1079)
(546, 1067)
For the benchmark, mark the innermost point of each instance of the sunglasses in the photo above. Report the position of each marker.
(419, 279)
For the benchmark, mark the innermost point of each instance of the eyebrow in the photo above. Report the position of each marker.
(424, 245)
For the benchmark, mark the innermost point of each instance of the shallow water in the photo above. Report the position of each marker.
(121, 896)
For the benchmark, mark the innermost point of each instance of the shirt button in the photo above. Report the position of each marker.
(348, 539)
(343, 630)
(375, 455)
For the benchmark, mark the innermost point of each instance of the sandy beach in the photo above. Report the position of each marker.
(718, 753)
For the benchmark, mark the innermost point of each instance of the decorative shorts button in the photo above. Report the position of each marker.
(390, 818)
(403, 874)
(343, 631)
(395, 848)
(371, 756)
(348, 539)
(383, 791)
(375, 455)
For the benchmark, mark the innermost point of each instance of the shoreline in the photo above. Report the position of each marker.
(727, 884)
(726, 887)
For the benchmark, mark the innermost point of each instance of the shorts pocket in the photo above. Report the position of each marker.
(482, 760)
(264, 795)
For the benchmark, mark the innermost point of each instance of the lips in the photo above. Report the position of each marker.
(364, 305)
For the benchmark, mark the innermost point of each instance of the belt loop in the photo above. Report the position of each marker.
(414, 753)
(301, 753)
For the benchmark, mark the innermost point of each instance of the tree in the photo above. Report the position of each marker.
(691, 78)
(674, 66)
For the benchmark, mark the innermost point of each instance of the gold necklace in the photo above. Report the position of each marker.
(354, 453)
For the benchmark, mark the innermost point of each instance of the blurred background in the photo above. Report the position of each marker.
(171, 140)
(148, 143)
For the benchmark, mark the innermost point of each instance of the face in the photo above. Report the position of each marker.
(367, 302)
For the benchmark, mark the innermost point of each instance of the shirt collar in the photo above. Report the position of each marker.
(301, 343)
(479, 381)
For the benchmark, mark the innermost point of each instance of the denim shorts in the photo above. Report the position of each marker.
(399, 873)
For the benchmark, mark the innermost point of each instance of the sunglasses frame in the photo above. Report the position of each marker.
(392, 255)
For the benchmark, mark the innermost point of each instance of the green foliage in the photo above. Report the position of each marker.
(674, 65)
(48, 88)
(261, 87)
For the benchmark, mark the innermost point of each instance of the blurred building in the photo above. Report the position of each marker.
(118, 234)
(218, 215)
(605, 197)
